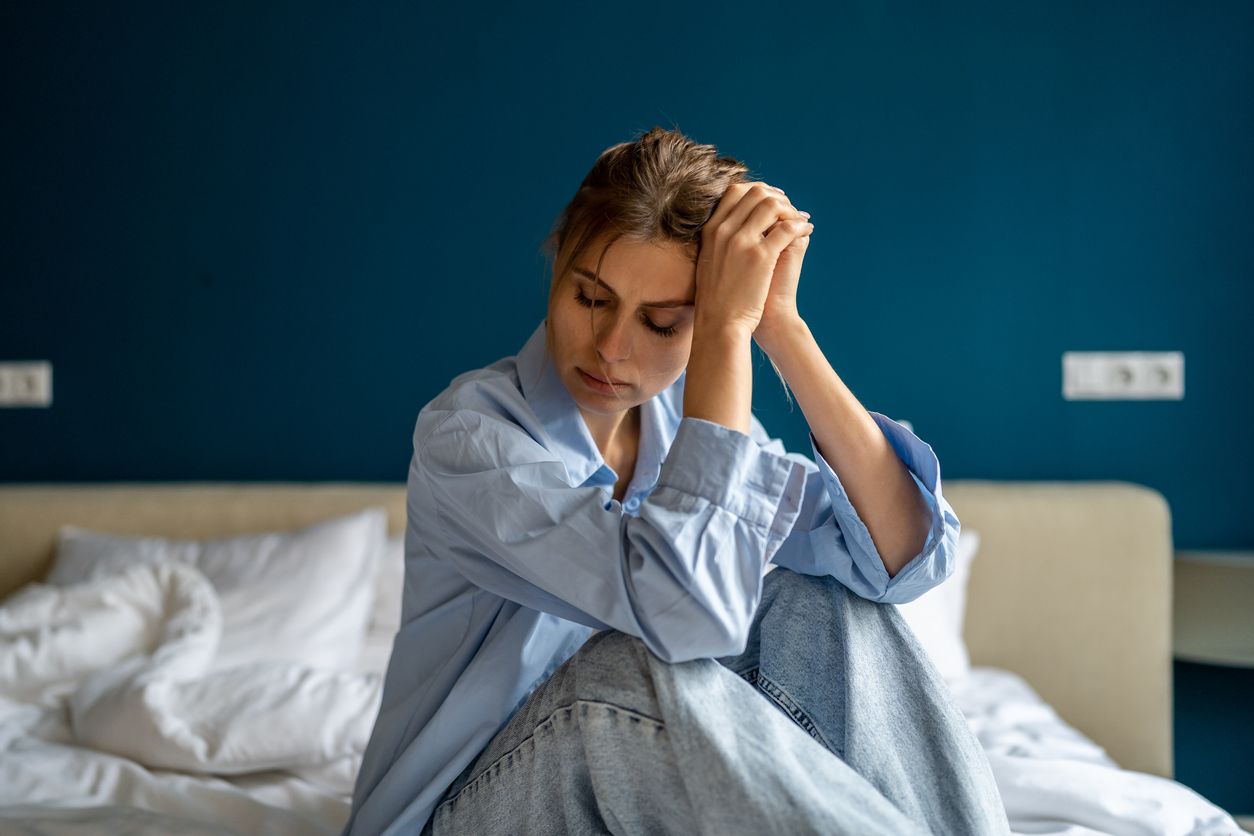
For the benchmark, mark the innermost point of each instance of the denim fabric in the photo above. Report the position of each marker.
(831, 721)
(853, 675)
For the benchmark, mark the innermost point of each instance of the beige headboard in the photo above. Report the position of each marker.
(1071, 588)
(31, 515)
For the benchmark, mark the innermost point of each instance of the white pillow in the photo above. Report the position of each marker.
(303, 596)
(385, 616)
(936, 616)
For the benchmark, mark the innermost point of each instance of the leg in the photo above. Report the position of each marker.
(546, 771)
(852, 675)
(619, 742)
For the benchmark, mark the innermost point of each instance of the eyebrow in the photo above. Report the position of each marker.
(669, 303)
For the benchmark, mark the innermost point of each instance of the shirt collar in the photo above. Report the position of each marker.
(659, 421)
(555, 408)
(568, 435)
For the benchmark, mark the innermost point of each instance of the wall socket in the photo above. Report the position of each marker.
(27, 383)
(1123, 375)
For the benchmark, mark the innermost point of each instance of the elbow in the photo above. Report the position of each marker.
(941, 562)
(909, 543)
(902, 543)
(703, 609)
(713, 637)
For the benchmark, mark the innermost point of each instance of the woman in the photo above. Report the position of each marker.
(611, 477)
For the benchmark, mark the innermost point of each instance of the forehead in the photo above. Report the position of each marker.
(636, 269)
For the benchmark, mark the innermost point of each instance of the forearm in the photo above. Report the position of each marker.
(879, 485)
(718, 386)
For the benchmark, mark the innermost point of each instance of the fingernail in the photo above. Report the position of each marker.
(805, 215)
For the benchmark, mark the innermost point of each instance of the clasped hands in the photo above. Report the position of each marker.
(749, 263)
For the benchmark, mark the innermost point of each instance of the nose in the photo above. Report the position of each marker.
(613, 338)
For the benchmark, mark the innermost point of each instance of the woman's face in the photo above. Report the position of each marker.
(632, 342)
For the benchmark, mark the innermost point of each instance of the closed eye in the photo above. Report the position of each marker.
(668, 331)
(663, 331)
(586, 302)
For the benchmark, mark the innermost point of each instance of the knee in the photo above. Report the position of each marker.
(790, 592)
(609, 646)
(796, 606)
(784, 586)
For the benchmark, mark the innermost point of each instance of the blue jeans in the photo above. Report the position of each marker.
(832, 721)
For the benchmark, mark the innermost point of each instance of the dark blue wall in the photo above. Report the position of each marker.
(255, 238)
(1214, 733)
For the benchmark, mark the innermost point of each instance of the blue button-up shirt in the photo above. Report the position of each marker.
(515, 551)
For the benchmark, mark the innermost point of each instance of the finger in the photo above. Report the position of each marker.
(732, 198)
(755, 197)
(805, 216)
(786, 232)
(767, 213)
(727, 203)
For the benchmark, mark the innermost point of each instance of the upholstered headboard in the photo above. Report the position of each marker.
(31, 515)
(1071, 588)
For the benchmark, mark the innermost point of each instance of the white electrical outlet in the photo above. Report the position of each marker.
(1123, 375)
(26, 384)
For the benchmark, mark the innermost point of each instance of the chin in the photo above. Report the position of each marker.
(603, 404)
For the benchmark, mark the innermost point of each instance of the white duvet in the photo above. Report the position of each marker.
(108, 696)
(113, 719)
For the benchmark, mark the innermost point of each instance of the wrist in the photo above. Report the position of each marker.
(719, 385)
(774, 334)
(723, 332)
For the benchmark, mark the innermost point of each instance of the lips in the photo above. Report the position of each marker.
(600, 383)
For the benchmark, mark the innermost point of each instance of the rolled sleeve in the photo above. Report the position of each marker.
(730, 470)
(836, 541)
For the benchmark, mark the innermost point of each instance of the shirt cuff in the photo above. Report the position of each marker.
(730, 470)
(924, 570)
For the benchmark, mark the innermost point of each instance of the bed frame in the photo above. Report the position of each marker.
(1071, 588)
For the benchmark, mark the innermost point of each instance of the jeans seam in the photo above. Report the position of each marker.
(494, 768)
(787, 704)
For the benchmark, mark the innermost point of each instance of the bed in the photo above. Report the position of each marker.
(1067, 626)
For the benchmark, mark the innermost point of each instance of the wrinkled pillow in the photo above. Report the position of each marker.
(937, 615)
(303, 596)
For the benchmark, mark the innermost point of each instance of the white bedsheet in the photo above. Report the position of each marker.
(1055, 780)
(111, 720)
